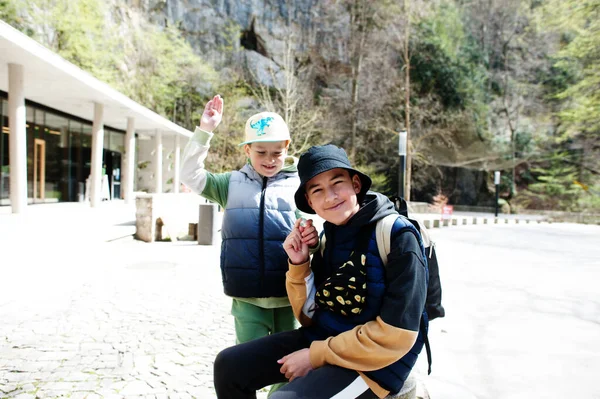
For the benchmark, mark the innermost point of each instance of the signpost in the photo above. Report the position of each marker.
(402, 164)
(497, 184)
(447, 212)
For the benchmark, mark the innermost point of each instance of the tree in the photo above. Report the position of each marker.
(579, 99)
(554, 186)
(354, 31)
(361, 14)
(406, 59)
(581, 53)
(514, 55)
(151, 64)
(440, 84)
(291, 96)
(8, 13)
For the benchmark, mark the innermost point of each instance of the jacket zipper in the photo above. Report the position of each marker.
(330, 254)
(261, 241)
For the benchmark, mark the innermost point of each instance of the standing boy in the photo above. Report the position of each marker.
(363, 323)
(259, 213)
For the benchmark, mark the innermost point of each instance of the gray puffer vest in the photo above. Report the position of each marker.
(260, 213)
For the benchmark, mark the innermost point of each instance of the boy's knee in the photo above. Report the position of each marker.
(224, 363)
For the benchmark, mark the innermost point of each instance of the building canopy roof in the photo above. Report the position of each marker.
(51, 80)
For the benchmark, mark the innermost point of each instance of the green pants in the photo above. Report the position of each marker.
(253, 322)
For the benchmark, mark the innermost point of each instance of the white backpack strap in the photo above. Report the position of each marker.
(425, 237)
(428, 243)
(383, 235)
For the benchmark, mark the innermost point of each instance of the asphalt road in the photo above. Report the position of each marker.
(523, 312)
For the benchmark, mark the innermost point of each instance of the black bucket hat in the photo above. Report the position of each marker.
(319, 159)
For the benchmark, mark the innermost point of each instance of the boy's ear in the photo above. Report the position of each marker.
(247, 150)
(308, 200)
(356, 184)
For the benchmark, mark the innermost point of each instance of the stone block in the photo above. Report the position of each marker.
(167, 216)
(145, 223)
(193, 231)
(207, 224)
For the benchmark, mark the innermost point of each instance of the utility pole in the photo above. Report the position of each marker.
(408, 169)
(497, 184)
(402, 164)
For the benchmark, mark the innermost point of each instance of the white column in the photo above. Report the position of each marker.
(158, 150)
(17, 142)
(128, 177)
(176, 182)
(97, 145)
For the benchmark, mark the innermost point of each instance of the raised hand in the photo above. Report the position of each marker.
(294, 245)
(213, 113)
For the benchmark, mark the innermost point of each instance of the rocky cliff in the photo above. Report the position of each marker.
(254, 33)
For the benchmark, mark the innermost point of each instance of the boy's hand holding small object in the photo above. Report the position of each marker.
(309, 232)
(300, 238)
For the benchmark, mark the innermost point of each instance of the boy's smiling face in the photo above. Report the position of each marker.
(267, 158)
(332, 195)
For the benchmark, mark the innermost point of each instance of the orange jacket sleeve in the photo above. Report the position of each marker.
(299, 284)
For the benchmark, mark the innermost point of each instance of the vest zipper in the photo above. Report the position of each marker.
(261, 232)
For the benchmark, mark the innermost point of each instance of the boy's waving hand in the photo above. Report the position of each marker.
(213, 113)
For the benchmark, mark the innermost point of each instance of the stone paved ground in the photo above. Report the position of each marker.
(90, 319)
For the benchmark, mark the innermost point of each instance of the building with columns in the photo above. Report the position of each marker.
(66, 136)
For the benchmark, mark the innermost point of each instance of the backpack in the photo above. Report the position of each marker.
(433, 303)
(383, 236)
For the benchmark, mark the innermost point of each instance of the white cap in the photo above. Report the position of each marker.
(266, 127)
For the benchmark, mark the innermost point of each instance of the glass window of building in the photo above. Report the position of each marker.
(56, 142)
(86, 149)
(114, 145)
(59, 155)
(29, 114)
(76, 176)
(117, 142)
(40, 117)
(4, 161)
(35, 155)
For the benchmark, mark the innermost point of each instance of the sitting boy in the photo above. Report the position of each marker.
(363, 323)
